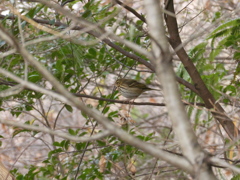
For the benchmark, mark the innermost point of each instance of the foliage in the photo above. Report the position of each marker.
(90, 68)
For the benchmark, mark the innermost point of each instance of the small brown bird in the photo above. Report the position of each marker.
(130, 88)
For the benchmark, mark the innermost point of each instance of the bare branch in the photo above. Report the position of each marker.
(218, 162)
(55, 132)
(203, 91)
(165, 74)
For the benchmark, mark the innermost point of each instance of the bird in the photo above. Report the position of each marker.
(130, 88)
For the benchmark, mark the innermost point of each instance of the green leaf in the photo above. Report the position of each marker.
(32, 12)
(101, 143)
(72, 132)
(113, 114)
(69, 108)
(66, 144)
(53, 152)
(237, 177)
(80, 146)
(92, 52)
(223, 27)
(57, 144)
(236, 55)
(105, 110)
(18, 131)
(87, 13)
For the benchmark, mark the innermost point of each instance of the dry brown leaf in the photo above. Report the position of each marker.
(131, 167)
(102, 164)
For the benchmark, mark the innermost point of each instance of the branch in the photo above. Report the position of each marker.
(3, 82)
(165, 73)
(56, 133)
(218, 162)
(68, 98)
(132, 103)
(131, 10)
(105, 40)
(201, 87)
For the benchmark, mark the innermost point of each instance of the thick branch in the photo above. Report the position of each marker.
(165, 73)
(201, 87)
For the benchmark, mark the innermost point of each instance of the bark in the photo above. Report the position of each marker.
(4, 173)
(187, 140)
(199, 84)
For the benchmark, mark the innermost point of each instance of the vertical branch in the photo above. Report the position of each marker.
(23, 42)
(165, 73)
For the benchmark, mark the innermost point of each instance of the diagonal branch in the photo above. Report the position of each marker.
(199, 84)
(108, 42)
(68, 98)
(142, 18)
